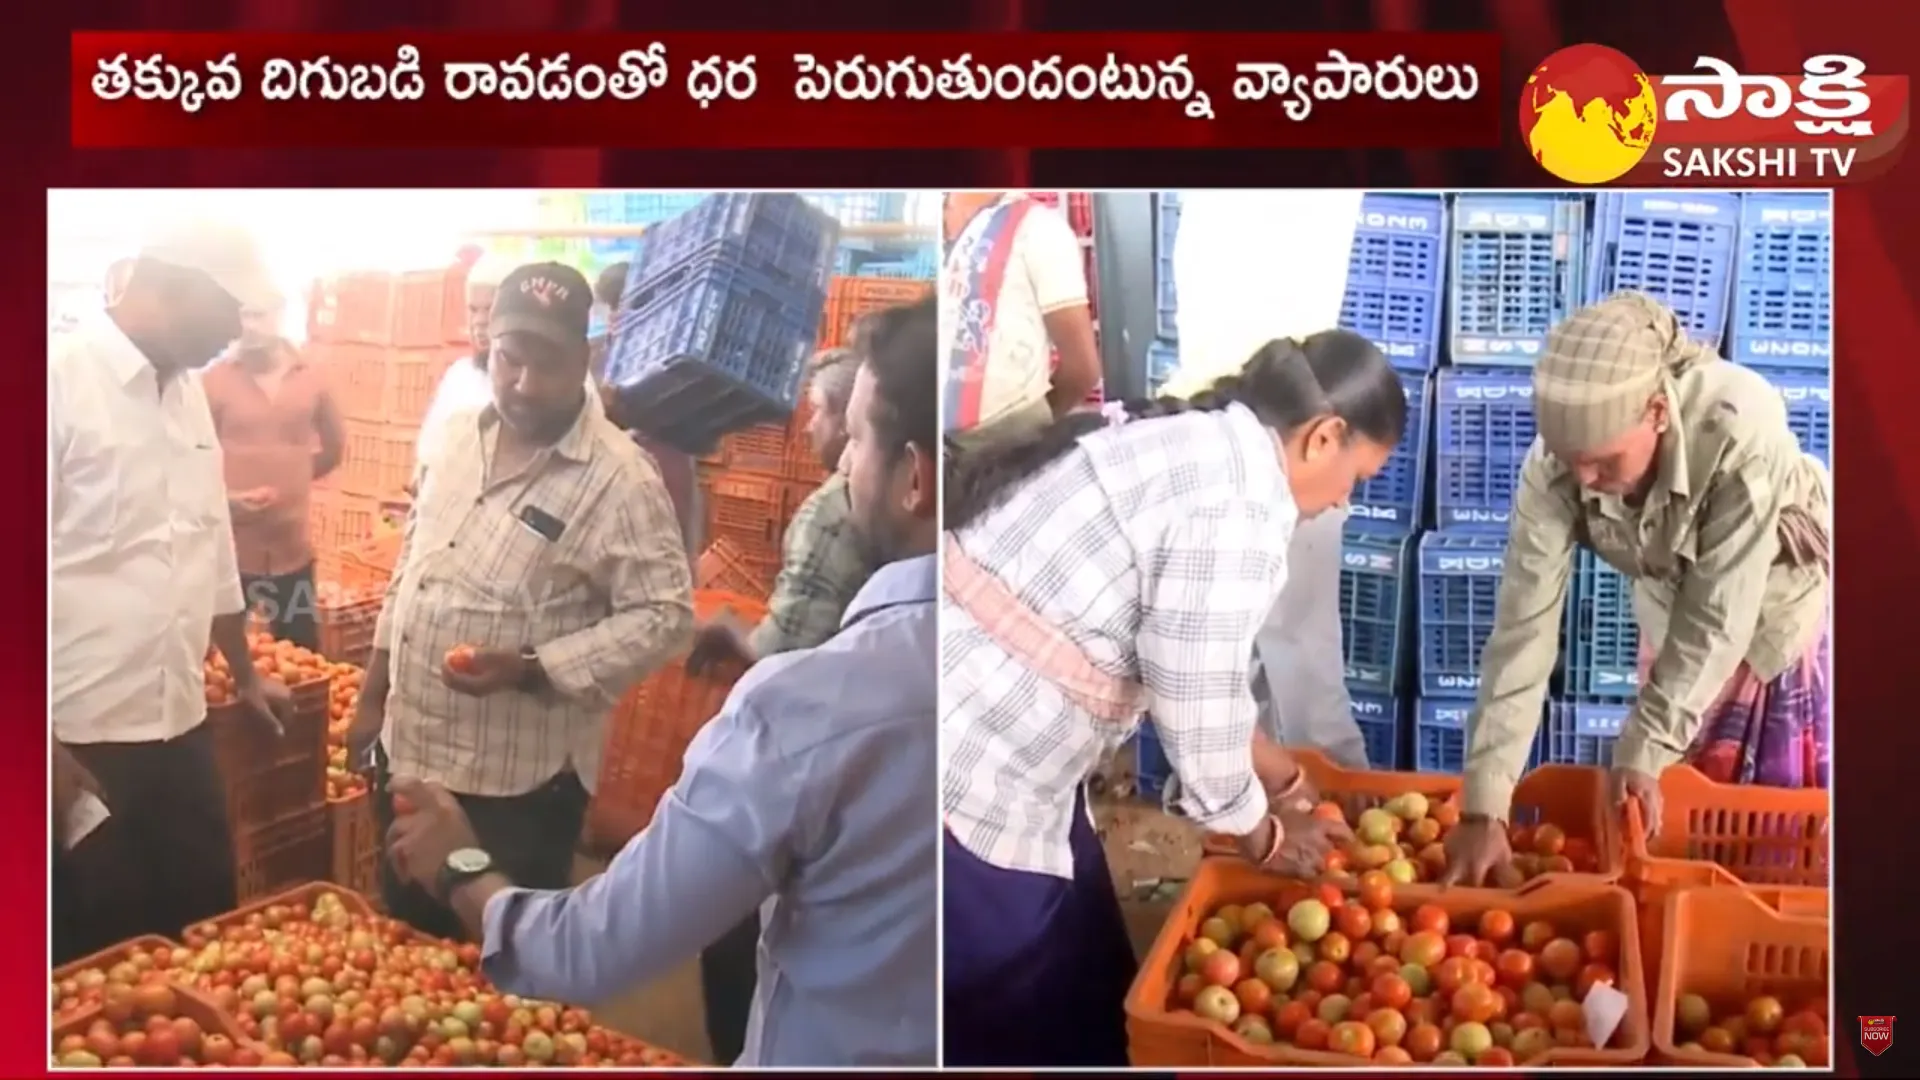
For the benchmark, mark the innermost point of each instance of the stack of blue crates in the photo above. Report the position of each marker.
(1518, 268)
(1782, 323)
(721, 310)
(633, 208)
(1163, 352)
(1678, 247)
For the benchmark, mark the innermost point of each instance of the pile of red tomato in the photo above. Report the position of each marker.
(1405, 838)
(1762, 1029)
(1359, 976)
(329, 985)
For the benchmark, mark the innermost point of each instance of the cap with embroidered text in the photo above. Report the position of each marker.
(225, 252)
(549, 300)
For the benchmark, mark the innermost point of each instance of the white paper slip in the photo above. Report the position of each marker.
(1604, 1008)
(85, 815)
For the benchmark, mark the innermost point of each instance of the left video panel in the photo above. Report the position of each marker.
(469, 608)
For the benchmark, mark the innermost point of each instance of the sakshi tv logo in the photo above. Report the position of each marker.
(1590, 114)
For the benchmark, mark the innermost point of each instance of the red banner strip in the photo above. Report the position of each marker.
(765, 90)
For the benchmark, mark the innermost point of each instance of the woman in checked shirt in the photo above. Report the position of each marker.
(1115, 565)
(1678, 469)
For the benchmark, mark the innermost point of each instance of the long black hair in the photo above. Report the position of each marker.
(1286, 383)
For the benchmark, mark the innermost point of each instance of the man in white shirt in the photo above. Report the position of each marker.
(465, 385)
(1014, 293)
(143, 575)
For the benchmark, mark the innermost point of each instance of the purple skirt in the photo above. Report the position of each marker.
(1036, 967)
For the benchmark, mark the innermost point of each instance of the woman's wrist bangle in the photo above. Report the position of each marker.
(1279, 838)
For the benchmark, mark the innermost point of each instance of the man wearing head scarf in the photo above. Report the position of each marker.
(1679, 470)
(143, 577)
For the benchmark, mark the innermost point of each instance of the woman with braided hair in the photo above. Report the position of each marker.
(1679, 470)
(1115, 564)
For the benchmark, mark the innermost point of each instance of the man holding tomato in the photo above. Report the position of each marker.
(541, 575)
(807, 798)
(142, 578)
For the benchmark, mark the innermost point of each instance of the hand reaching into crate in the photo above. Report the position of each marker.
(1306, 838)
(1477, 850)
(1628, 784)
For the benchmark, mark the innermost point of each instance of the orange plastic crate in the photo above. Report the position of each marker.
(189, 1003)
(379, 459)
(649, 732)
(1723, 836)
(803, 461)
(301, 894)
(848, 298)
(346, 625)
(1573, 797)
(746, 510)
(1729, 945)
(356, 844)
(356, 377)
(725, 567)
(337, 521)
(1160, 1037)
(288, 852)
(102, 961)
(271, 780)
(408, 310)
(758, 451)
(412, 376)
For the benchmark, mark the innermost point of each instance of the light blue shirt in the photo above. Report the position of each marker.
(813, 793)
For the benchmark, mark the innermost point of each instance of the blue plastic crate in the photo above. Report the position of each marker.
(1809, 397)
(1783, 286)
(1166, 226)
(1440, 736)
(778, 237)
(1583, 732)
(1163, 360)
(1150, 765)
(861, 207)
(632, 208)
(1518, 267)
(1394, 277)
(1391, 502)
(1678, 247)
(721, 349)
(1375, 600)
(1601, 640)
(1483, 427)
(1379, 719)
(1459, 583)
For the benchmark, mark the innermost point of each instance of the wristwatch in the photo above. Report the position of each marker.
(462, 865)
(533, 678)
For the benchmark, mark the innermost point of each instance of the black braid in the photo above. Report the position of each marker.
(1286, 383)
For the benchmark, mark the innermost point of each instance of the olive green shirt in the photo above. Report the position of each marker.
(1712, 584)
(824, 566)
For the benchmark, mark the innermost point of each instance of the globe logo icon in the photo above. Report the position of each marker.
(1588, 114)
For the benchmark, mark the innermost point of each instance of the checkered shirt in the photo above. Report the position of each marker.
(1158, 547)
(603, 605)
(824, 567)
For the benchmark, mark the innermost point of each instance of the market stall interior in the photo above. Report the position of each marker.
(705, 349)
(1714, 929)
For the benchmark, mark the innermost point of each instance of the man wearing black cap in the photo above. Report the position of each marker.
(541, 576)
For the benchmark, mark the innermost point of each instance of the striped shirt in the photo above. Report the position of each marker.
(823, 570)
(1158, 547)
(1713, 586)
(603, 604)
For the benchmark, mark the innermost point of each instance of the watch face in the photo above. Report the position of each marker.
(468, 861)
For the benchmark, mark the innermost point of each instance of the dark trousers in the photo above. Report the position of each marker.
(728, 976)
(289, 602)
(163, 860)
(530, 837)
